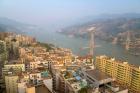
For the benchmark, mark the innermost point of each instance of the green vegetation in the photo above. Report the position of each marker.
(14, 40)
(83, 90)
(3, 53)
(2, 49)
(48, 46)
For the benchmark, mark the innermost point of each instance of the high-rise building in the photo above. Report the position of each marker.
(11, 84)
(55, 82)
(135, 82)
(126, 74)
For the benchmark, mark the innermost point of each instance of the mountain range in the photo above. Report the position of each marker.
(9, 25)
(107, 26)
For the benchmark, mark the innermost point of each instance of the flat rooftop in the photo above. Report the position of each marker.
(97, 74)
(48, 85)
(42, 89)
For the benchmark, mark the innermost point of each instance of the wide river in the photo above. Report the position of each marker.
(75, 44)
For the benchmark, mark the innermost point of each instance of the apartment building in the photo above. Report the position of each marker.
(15, 66)
(11, 83)
(126, 74)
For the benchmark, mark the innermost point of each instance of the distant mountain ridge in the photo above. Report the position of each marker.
(9, 25)
(106, 27)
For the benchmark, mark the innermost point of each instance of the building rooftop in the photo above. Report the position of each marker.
(42, 89)
(98, 75)
(48, 84)
(115, 88)
(119, 61)
(29, 85)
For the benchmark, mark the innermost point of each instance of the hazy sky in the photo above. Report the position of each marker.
(55, 11)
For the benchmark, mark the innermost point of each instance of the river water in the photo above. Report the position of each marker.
(76, 43)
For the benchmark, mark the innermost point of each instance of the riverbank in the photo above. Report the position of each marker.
(75, 44)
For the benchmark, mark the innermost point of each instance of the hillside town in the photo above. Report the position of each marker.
(29, 66)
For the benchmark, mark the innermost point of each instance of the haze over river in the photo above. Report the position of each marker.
(76, 43)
